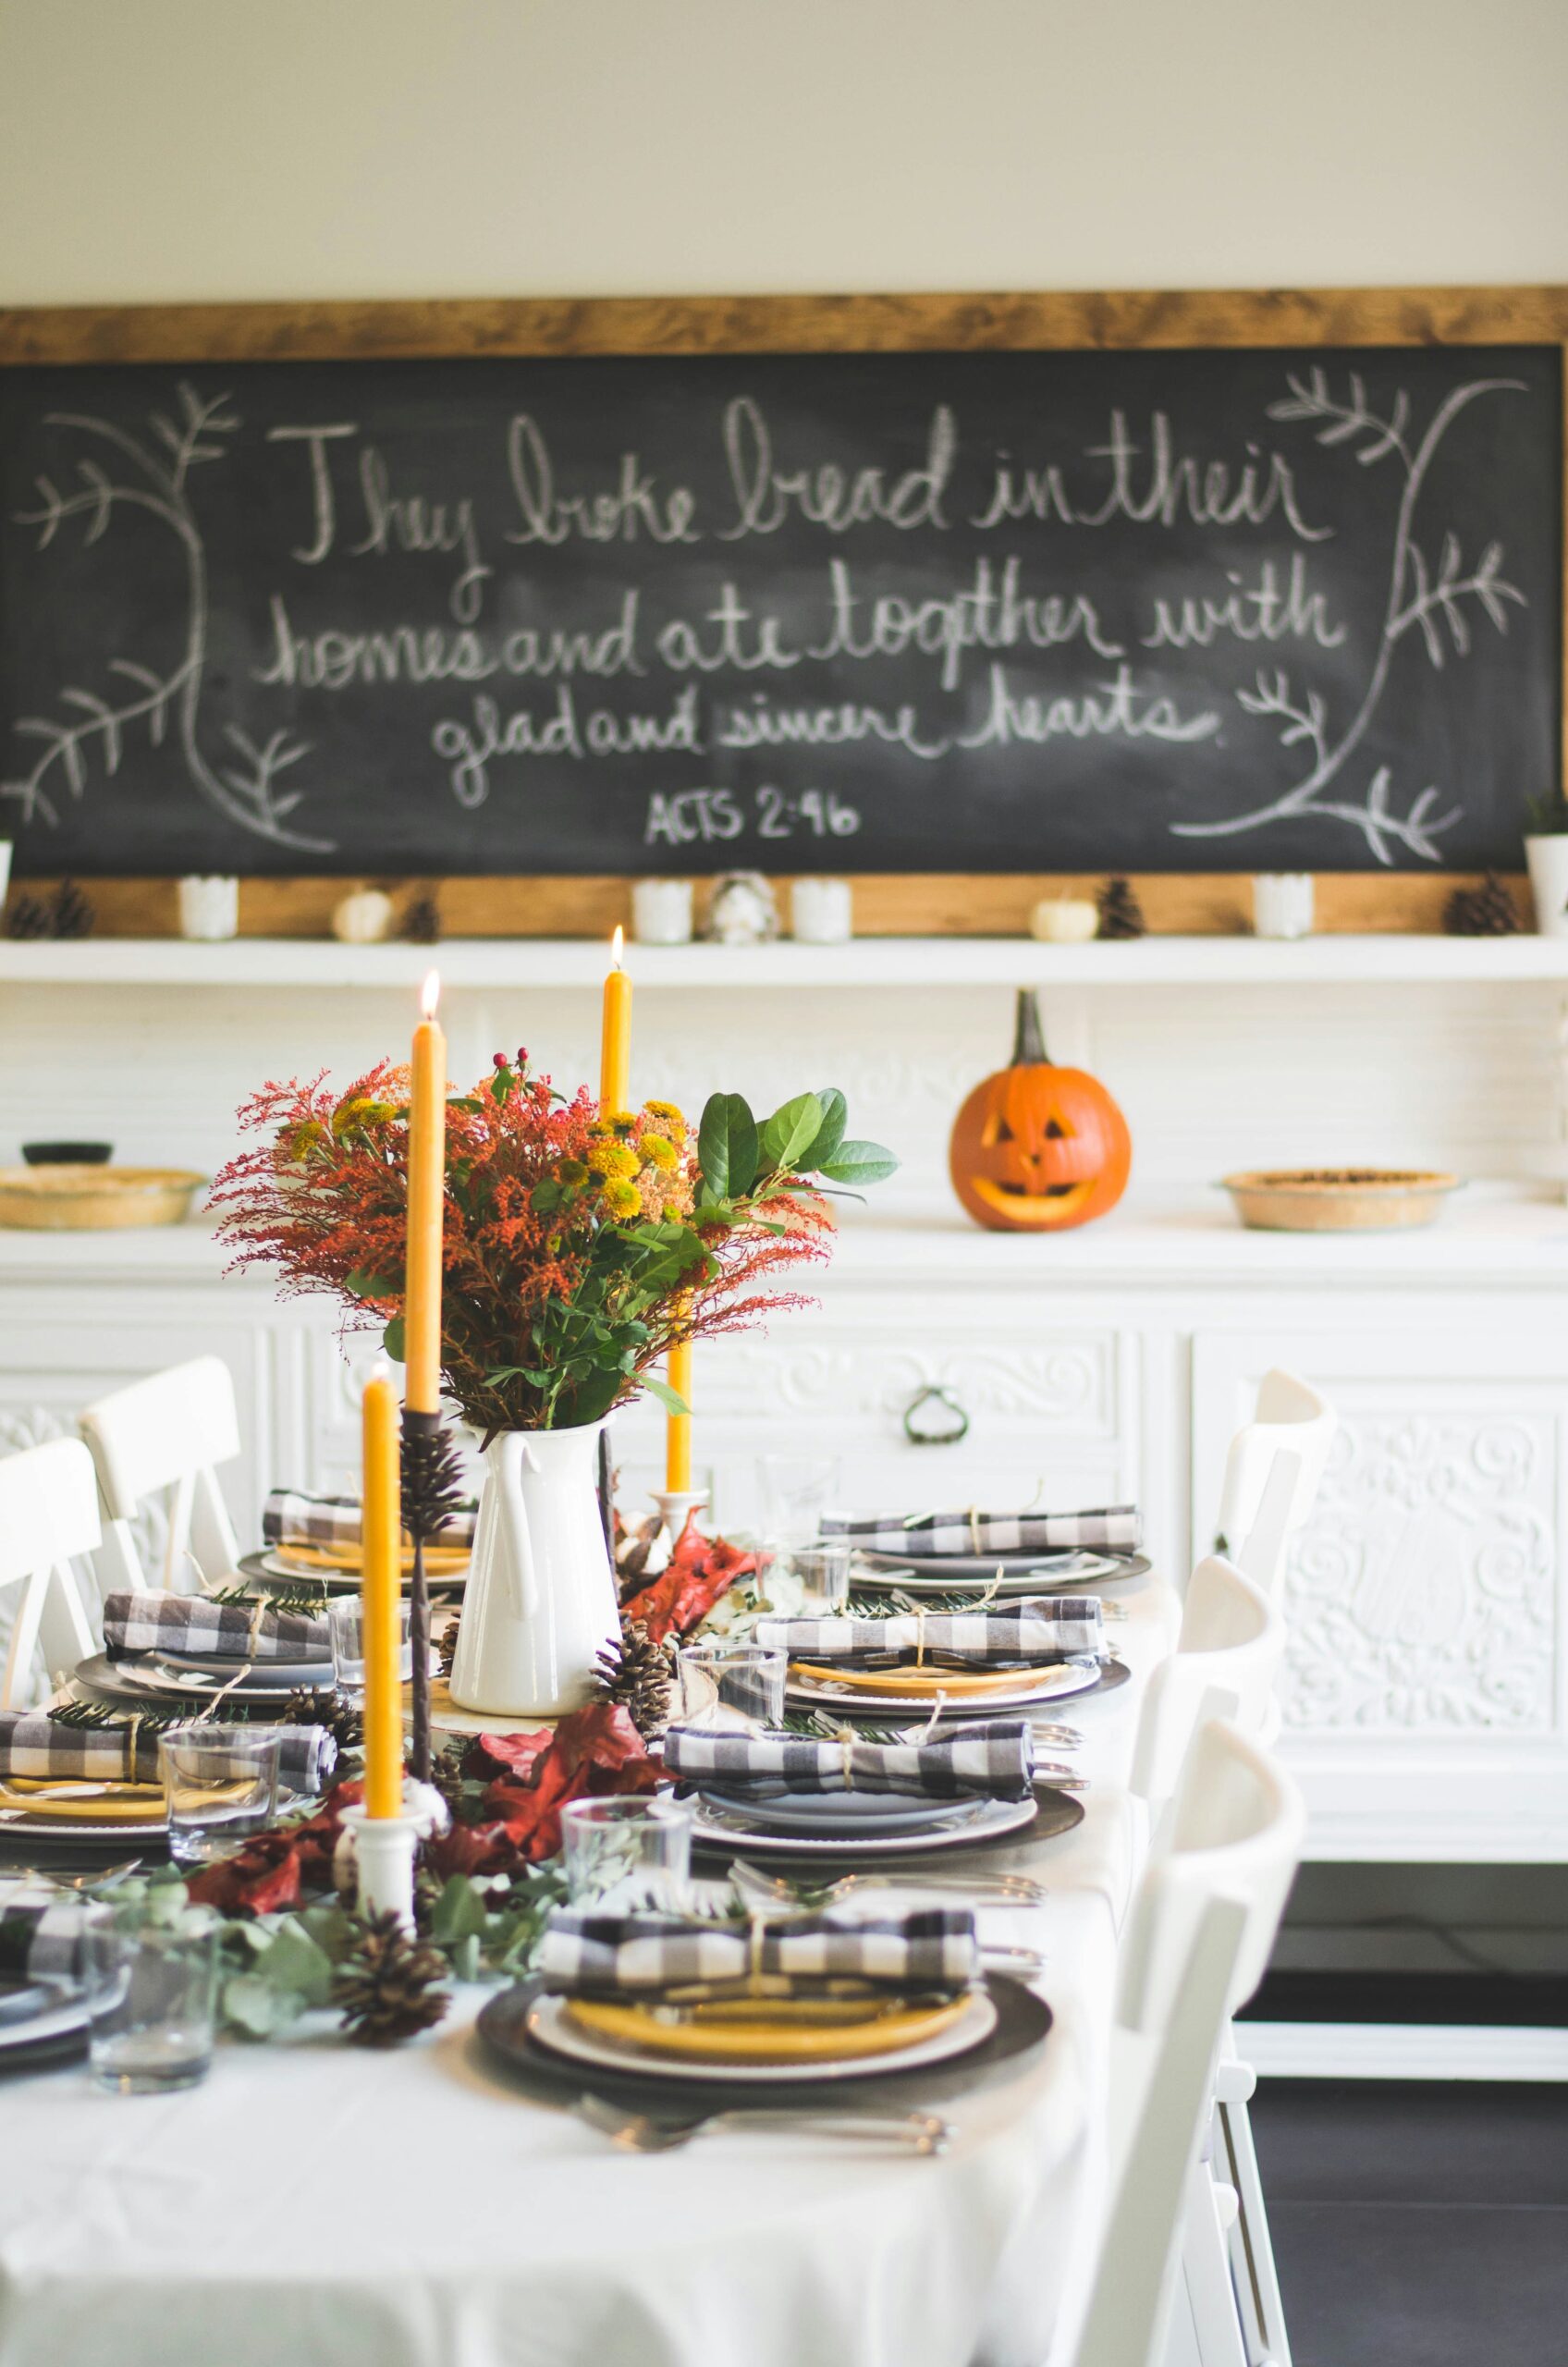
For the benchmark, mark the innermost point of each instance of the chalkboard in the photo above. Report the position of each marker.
(1180, 610)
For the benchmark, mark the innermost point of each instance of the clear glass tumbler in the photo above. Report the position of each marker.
(220, 1786)
(346, 1620)
(796, 1491)
(821, 1572)
(730, 1683)
(629, 1851)
(152, 1977)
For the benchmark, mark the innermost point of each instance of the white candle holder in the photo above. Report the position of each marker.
(822, 912)
(384, 1862)
(1282, 904)
(661, 912)
(209, 907)
(675, 1505)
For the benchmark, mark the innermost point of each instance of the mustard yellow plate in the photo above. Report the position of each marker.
(910, 1683)
(765, 2040)
(343, 1560)
(84, 1802)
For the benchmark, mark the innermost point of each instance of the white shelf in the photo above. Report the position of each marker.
(869, 962)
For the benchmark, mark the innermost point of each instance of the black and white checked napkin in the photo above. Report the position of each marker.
(992, 1759)
(639, 1954)
(33, 1744)
(1118, 1528)
(1023, 1631)
(43, 1937)
(194, 1624)
(290, 1518)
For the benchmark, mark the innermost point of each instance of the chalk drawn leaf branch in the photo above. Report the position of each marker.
(1418, 597)
(244, 791)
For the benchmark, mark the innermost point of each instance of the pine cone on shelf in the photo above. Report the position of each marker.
(70, 913)
(28, 918)
(388, 1986)
(1119, 911)
(446, 1646)
(421, 922)
(1486, 911)
(637, 1675)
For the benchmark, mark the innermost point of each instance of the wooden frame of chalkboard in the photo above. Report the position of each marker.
(1457, 594)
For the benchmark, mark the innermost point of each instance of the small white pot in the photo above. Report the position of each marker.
(1064, 920)
(5, 867)
(822, 912)
(661, 912)
(1547, 859)
(209, 908)
(363, 918)
(1282, 904)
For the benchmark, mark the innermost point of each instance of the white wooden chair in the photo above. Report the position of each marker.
(163, 1436)
(1196, 1944)
(1226, 1655)
(48, 1516)
(1258, 1520)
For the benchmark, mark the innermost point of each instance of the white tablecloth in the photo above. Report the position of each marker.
(316, 2203)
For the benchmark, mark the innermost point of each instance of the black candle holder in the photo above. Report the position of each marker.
(432, 1484)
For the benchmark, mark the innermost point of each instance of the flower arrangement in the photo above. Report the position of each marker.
(580, 1244)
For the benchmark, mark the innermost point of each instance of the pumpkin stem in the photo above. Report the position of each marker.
(1028, 1042)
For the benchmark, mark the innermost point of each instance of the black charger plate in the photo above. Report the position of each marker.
(1023, 2022)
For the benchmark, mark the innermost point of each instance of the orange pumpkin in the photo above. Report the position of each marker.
(1037, 1148)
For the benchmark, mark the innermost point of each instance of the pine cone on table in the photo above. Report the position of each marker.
(447, 1648)
(1119, 911)
(421, 922)
(308, 1705)
(1486, 911)
(70, 913)
(637, 1675)
(388, 1986)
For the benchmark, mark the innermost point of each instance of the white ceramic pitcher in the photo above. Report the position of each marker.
(540, 1604)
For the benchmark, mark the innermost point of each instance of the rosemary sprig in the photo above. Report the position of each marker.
(309, 1599)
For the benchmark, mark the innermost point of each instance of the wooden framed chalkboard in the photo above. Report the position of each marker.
(888, 585)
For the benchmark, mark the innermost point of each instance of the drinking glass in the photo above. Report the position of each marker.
(822, 1573)
(629, 1851)
(796, 1491)
(347, 1622)
(152, 1979)
(731, 1684)
(220, 1786)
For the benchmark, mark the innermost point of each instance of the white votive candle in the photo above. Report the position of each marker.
(822, 912)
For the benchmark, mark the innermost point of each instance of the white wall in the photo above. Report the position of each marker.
(167, 148)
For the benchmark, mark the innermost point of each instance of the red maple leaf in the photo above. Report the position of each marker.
(700, 1572)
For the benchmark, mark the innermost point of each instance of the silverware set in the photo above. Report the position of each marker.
(640, 2132)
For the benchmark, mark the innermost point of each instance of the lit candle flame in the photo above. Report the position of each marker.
(430, 995)
(617, 949)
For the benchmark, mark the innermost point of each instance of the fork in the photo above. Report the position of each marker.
(639, 2132)
(999, 1890)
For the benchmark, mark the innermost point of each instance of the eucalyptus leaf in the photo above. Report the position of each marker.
(830, 1134)
(860, 1163)
(251, 2004)
(670, 1399)
(297, 1962)
(789, 1134)
(460, 1912)
(392, 1340)
(726, 1147)
(364, 1284)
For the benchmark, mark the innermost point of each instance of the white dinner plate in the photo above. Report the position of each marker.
(868, 1812)
(551, 2027)
(1057, 1681)
(54, 2023)
(269, 1674)
(980, 1821)
(270, 1564)
(1027, 1572)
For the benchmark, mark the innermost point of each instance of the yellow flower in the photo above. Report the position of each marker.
(572, 1172)
(607, 1159)
(354, 1115)
(662, 1118)
(621, 1198)
(658, 1151)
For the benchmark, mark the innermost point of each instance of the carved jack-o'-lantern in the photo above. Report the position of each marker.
(1037, 1148)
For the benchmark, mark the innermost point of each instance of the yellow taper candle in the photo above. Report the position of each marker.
(382, 1599)
(427, 1153)
(615, 1044)
(678, 1434)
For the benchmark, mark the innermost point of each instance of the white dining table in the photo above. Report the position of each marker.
(314, 2203)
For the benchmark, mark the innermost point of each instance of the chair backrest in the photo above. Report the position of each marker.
(1197, 1942)
(1224, 1665)
(1289, 1415)
(167, 1433)
(48, 1515)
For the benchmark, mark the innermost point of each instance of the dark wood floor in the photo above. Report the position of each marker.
(1418, 2226)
